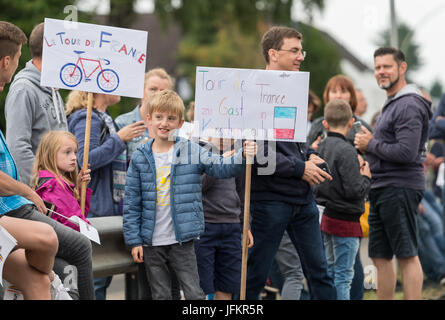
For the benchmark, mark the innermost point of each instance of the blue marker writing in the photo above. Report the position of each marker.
(60, 35)
(101, 38)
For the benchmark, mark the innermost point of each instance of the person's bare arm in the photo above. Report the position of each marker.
(12, 187)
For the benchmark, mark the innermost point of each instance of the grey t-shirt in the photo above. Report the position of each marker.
(164, 233)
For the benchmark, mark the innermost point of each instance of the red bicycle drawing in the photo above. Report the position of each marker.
(72, 74)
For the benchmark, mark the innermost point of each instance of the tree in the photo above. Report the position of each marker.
(406, 44)
(230, 48)
(436, 89)
(121, 13)
(322, 60)
(228, 34)
(203, 18)
(26, 15)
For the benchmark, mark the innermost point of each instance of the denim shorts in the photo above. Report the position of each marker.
(392, 222)
(218, 254)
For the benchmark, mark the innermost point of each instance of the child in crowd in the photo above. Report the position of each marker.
(219, 250)
(163, 210)
(56, 179)
(343, 197)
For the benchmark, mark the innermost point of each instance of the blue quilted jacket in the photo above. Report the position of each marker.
(189, 161)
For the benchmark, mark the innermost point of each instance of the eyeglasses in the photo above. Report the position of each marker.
(295, 51)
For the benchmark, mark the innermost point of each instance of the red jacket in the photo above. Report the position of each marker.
(63, 198)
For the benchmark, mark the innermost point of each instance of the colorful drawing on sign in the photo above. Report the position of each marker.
(94, 58)
(71, 74)
(284, 122)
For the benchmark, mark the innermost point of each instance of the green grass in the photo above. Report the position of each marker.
(430, 292)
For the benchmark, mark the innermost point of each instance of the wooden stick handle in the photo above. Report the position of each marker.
(246, 228)
(86, 151)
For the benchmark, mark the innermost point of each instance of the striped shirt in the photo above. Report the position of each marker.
(7, 165)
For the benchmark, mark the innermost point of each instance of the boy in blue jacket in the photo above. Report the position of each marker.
(163, 210)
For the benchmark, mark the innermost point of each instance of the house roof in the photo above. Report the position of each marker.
(345, 53)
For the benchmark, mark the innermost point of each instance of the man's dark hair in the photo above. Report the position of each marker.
(11, 37)
(36, 41)
(273, 39)
(397, 54)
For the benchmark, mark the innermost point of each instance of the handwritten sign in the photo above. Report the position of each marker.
(87, 230)
(251, 104)
(7, 243)
(186, 131)
(94, 58)
(84, 228)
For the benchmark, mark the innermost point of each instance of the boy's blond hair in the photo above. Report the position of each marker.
(337, 113)
(46, 159)
(166, 101)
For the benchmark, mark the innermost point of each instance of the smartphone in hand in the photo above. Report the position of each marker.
(357, 127)
(324, 166)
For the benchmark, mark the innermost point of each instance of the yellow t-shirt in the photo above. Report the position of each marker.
(164, 233)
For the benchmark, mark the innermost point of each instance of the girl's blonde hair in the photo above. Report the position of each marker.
(77, 100)
(46, 159)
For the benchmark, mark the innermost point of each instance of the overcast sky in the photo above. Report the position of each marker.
(357, 23)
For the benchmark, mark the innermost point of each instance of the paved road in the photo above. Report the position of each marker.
(116, 291)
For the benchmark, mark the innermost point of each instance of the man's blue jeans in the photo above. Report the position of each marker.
(340, 254)
(269, 220)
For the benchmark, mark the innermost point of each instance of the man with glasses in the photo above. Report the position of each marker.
(284, 200)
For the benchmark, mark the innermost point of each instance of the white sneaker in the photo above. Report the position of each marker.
(58, 291)
(11, 292)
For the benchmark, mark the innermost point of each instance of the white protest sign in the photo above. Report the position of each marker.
(251, 104)
(87, 230)
(187, 130)
(94, 58)
(7, 243)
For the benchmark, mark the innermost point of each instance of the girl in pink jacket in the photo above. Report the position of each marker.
(56, 178)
